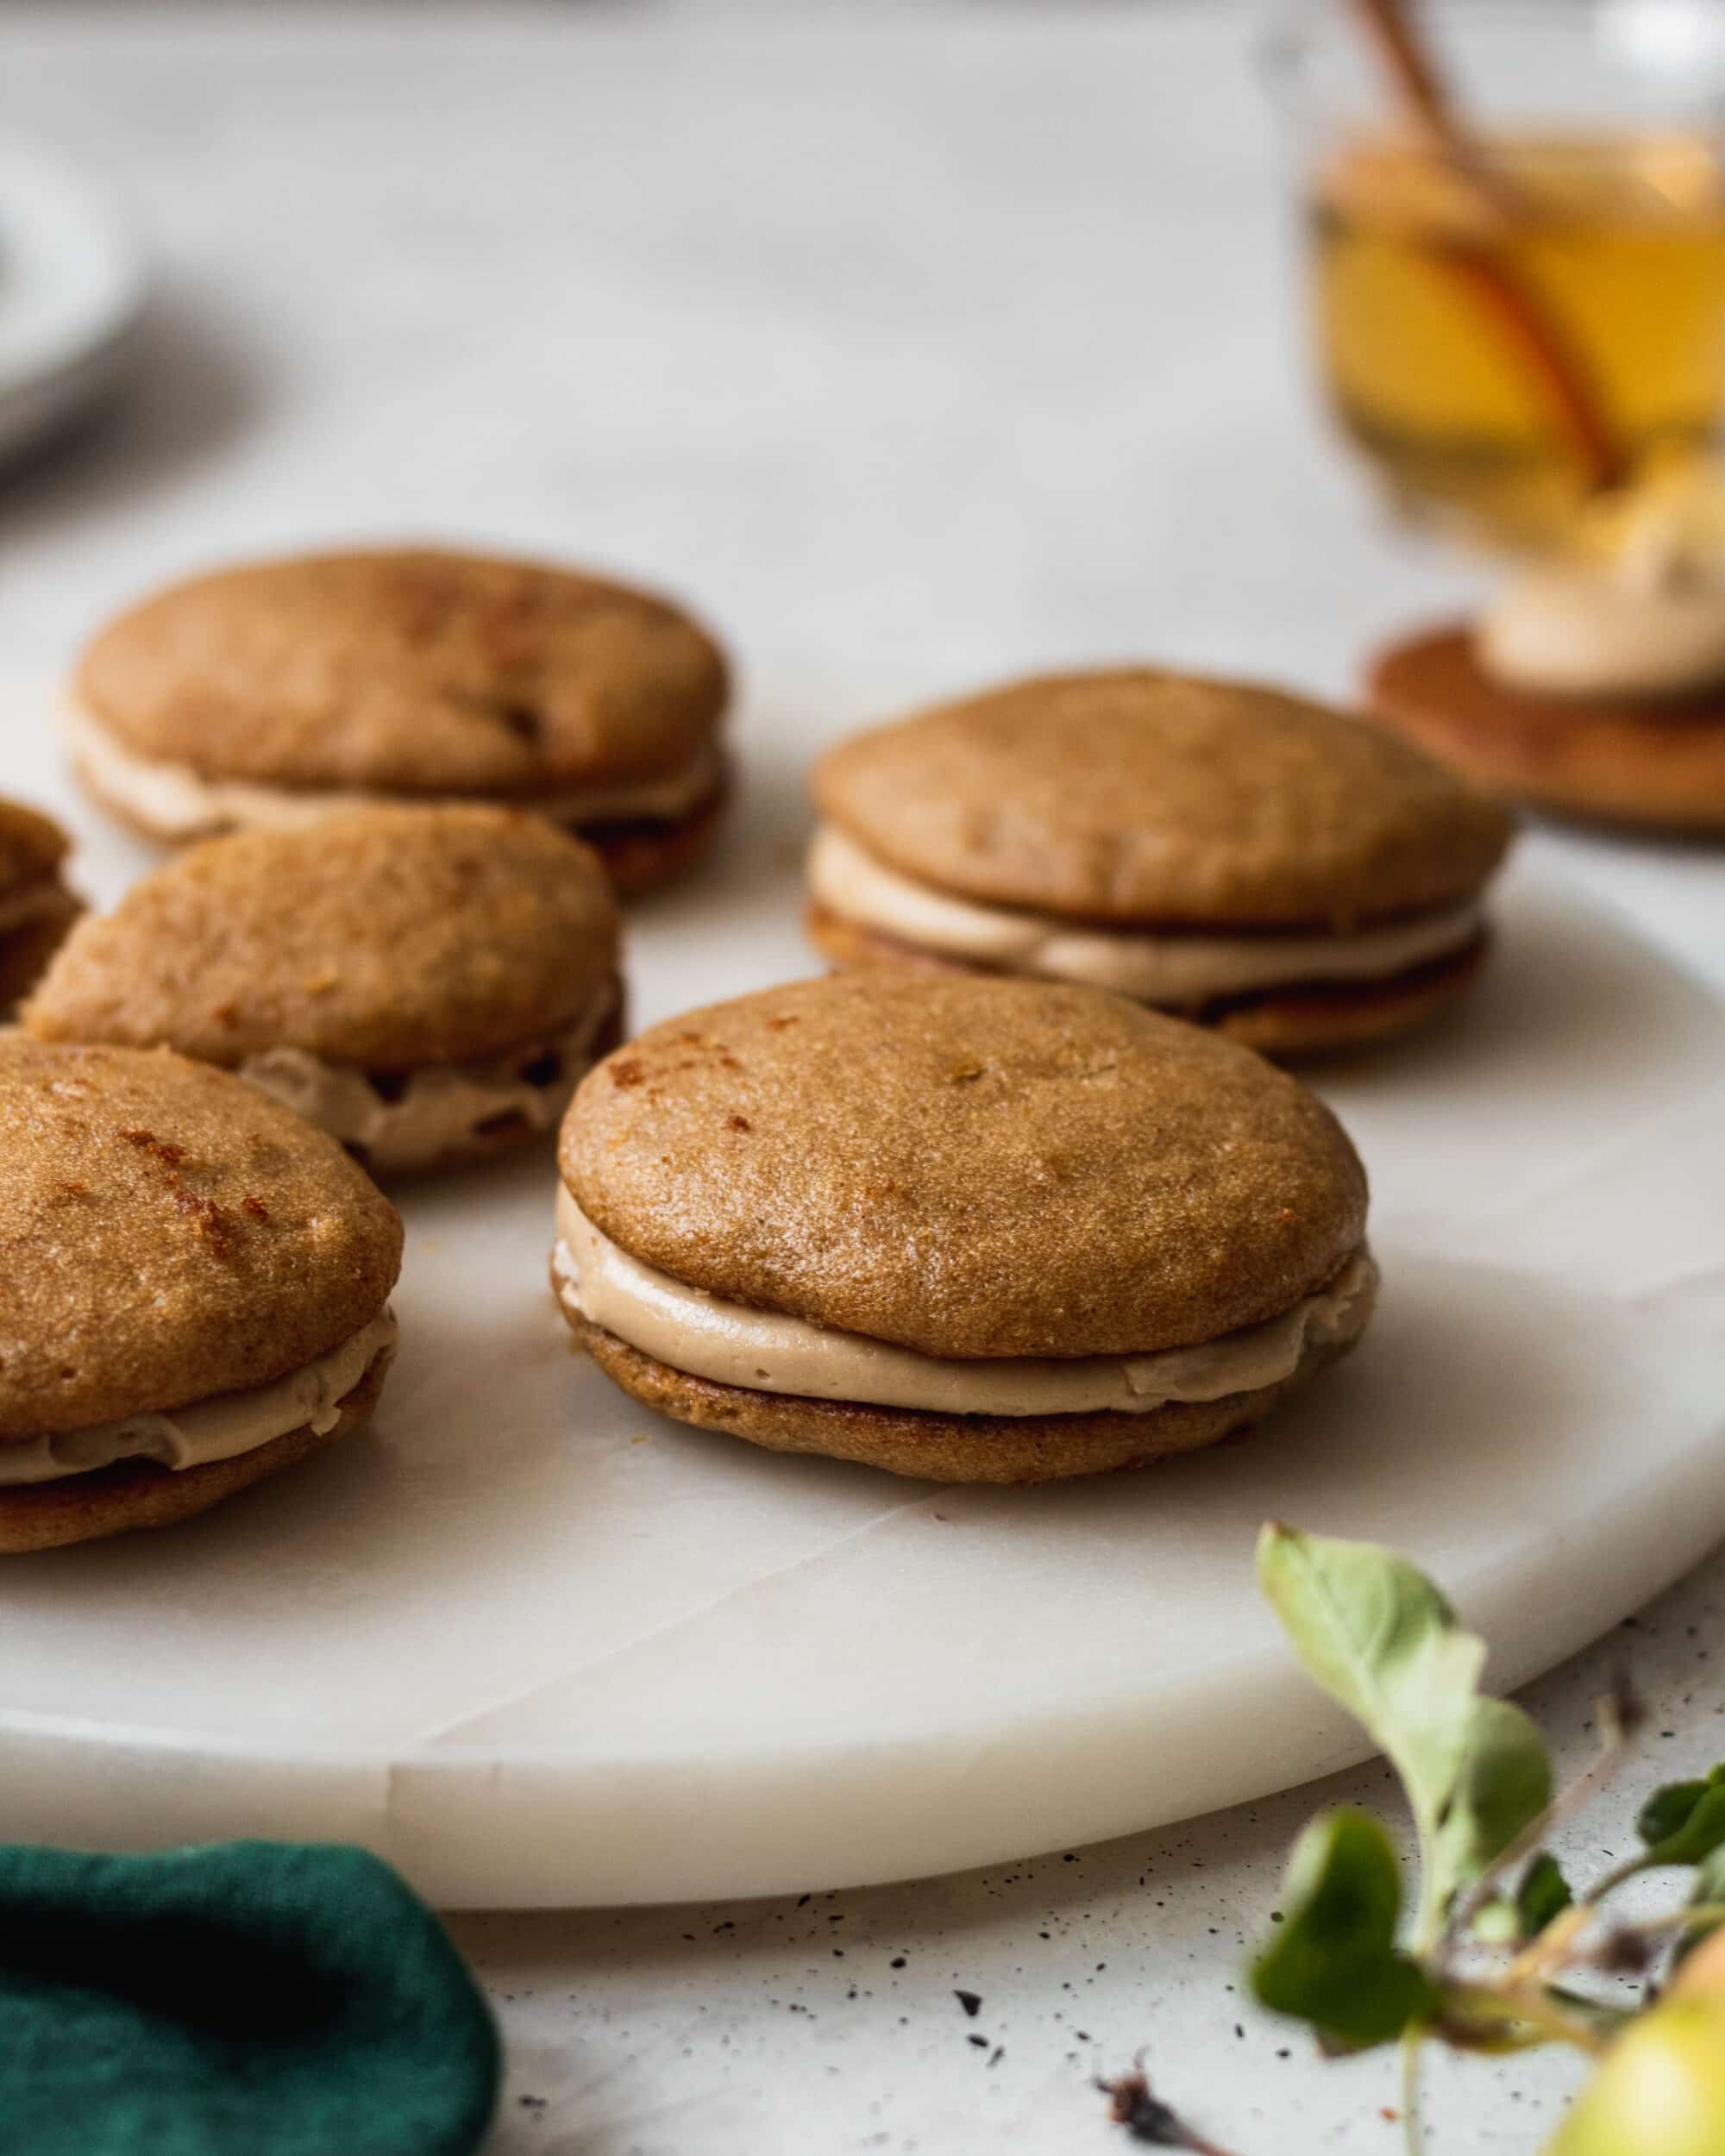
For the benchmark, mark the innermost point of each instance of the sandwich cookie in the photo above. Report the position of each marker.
(974, 1230)
(36, 908)
(1294, 878)
(196, 1290)
(426, 985)
(273, 693)
(1582, 689)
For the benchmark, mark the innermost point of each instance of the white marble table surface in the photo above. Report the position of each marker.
(923, 347)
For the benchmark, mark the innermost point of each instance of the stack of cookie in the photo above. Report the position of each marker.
(1008, 1197)
(410, 786)
(1004, 1201)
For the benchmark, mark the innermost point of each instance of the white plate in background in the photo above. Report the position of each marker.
(73, 280)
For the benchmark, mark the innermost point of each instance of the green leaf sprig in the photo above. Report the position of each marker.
(1498, 1951)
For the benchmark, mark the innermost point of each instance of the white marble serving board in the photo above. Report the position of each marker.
(541, 1648)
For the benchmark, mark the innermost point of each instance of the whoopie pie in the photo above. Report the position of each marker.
(196, 1290)
(1290, 875)
(271, 693)
(972, 1229)
(425, 984)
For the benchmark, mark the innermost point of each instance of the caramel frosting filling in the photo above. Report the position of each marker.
(1604, 630)
(219, 1428)
(430, 1111)
(182, 803)
(1175, 967)
(765, 1351)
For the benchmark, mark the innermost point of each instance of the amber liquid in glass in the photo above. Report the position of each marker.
(1621, 241)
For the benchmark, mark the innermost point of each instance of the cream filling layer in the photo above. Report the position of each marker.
(181, 803)
(1172, 969)
(1605, 631)
(440, 1104)
(766, 1351)
(219, 1428)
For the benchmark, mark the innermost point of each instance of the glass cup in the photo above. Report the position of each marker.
(1518, 326)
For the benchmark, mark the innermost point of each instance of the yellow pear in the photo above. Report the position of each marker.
(1660, 2089)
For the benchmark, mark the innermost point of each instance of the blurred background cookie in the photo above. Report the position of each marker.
(197, 1291)
(271, 693)
(980, 1230)
(1579, 690)
(425, 984)
(36, 907)
(1293, 877)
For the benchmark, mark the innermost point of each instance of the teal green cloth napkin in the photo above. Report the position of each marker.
(250, 1999)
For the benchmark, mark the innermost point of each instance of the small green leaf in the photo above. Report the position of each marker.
(1709, 1879)
(1543, 1894)
(1667, 1809)
(1708, 1896)
(1504, 1783)
(1380, 1637)
(1333, 1962)
(1699, 1828)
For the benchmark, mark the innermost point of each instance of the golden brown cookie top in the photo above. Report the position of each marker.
(1162, 798)
(387, 937)
(31, 846)
(167, 1232)
(967, 1166)
(407, 672)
